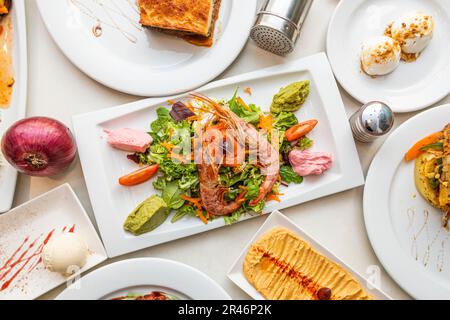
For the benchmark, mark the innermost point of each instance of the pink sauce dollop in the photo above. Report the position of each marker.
(306, 163)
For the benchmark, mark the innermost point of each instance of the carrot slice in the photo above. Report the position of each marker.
(266, 122)
(416, 151)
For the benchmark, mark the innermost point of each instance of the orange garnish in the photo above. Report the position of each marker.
(242, 103)
(197, 202)
(171, 102)
(266, 122)
(274, 197)
(169, 146)
(194, 118)
(248, 90)
(241, 196)
(191, 200)
(416, 149)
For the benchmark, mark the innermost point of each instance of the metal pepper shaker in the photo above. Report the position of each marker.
(278, 24)
(373, 120)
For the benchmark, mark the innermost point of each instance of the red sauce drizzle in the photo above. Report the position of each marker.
(24, 259)
(284, 267)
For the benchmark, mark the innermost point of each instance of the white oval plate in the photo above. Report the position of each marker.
(412, 245)
(17, 109)
(413, 86)
(142, 276)
(128, 58)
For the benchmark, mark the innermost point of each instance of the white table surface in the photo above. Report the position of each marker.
(59, 90)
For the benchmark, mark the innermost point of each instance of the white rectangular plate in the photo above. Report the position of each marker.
(16, 111)
(276, 219)
(103, 165)
(58, 209)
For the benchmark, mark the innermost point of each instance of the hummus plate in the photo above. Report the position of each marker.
(276, 219)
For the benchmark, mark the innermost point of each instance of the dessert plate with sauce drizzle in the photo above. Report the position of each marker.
(24, 232)
(13, 57)
(405, 231)
(413, 86)
(121, 54)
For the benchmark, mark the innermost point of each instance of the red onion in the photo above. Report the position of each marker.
(39, 146)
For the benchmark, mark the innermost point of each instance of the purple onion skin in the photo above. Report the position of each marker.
(39, 147)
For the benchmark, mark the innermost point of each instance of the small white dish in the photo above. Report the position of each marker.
(412, 86)
(276, 219)
(405, 231)
(131, 59)
(17, 109)
(103, 165)
(57, 210)
(143, 276)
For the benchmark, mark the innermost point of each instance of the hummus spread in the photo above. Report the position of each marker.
(281, 266)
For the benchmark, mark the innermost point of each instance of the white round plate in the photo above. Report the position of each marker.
(405, 231)
(413, 86)
(139, 61)
(142, 276)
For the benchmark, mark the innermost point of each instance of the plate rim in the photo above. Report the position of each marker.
(393, 259)
(21, 104)
(147, 262)
(319, 69)
(341, 6)
(315, 244)
(65, 187)
(239, 41)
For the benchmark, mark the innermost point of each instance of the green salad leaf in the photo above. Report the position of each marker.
(161, 122)
(184, 211)
(284, 120)
(172, 195)
(288, 175)
(250, 113)
(305, 143)
(160, 183)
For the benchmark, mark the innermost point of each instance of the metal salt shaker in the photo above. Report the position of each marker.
(278, 24)
(373, 120)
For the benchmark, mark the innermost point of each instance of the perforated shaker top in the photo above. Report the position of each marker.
(272, 40)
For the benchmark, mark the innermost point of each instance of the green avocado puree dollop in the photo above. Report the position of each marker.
(149, 215)
(291, 97)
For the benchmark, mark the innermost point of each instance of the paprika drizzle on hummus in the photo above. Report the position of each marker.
(6, 65)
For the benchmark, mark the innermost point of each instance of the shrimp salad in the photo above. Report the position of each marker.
(219, 158)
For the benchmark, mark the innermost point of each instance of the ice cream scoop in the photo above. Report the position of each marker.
(380, 56)
(413, 31)
(66, 254)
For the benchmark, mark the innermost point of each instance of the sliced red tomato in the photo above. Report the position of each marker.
(300, 130)
(140, 176)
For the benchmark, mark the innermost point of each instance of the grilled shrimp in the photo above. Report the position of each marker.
(212, 193)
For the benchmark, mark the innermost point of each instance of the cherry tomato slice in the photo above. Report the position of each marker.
(139, 176)
(300, 130)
